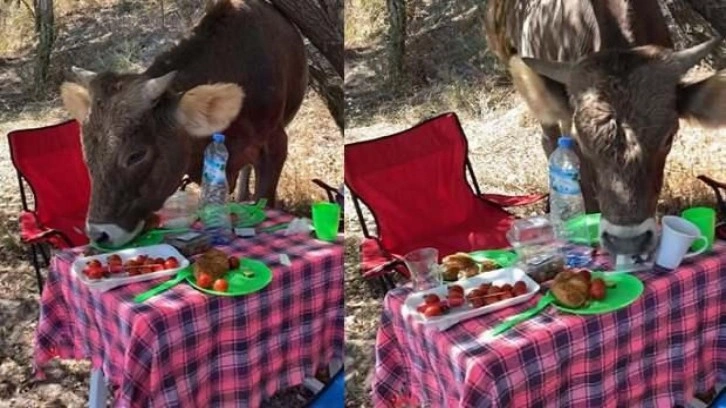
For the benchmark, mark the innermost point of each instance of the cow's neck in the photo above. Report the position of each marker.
(627, 23)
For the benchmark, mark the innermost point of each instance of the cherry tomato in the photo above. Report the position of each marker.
(171, 263)
(94, 263)
(233, 262)
(114, 259)
(94, 272)
(433, 310)
(456, 301)
(148, 266)
(506, 287)
(431, 299)
(422, 307)
(159, 261)
(157, 267)
(597, 289)
(220, 285)
(115, 267)
(204, 280)
(519, 290)
(457, 289)
(519, 285)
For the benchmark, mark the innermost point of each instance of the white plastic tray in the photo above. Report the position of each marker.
(105, 284)
(497, 277)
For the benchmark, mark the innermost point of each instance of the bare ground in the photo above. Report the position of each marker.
(450, 69)
(122, 35)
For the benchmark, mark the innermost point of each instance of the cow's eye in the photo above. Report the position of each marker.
(135, 158)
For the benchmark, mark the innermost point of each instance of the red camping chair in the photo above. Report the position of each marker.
(717, 186)
(415, 185)
(50, 161)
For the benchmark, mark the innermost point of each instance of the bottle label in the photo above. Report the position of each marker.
(565, 182)
(214, 171)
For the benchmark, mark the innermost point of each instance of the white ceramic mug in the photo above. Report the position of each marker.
(677, 236)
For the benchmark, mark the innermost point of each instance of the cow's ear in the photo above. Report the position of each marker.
(704, 102)
(76, 100)
(556, 71)
(207, 109)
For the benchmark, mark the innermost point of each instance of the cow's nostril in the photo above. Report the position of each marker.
(103, 237)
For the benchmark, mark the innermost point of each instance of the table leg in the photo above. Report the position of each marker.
(99, 392)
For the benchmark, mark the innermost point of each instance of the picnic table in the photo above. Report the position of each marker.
(187, 348)
(656, 352)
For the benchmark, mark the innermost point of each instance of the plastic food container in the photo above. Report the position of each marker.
(105, 284)
(179, 210)
(189, 243)
(497, 277)
(535, 242)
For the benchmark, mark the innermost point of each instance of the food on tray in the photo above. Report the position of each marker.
(484, 295)
(211, 267)
(576, 288)
(487, 294)
(213, 262)
(461, 265)
(204, 280)
(115, 266)
(220, 285)
(233, 262)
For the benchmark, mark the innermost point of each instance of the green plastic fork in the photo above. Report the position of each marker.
(180, 276)
(545, 301)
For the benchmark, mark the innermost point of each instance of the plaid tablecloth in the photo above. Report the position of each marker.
(654, 353)
(184, 348)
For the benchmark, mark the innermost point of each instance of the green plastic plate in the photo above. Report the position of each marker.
(249, 215)
(501, 257)
(149, 238)
(592, 221)
(251, 276)
(627, 290)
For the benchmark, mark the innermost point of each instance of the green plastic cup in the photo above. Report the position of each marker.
(326, 218)
(705, 219)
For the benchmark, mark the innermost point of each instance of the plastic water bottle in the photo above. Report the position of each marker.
(215, 192)
(566, 202)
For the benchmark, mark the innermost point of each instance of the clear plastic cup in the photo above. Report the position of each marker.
(424, 267)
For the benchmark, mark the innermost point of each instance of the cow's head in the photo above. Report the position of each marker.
(136, 139)
(626, 107)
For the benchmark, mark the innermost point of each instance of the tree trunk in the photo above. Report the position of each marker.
(45, 28)
(396, 36)
(321, 22)
(689, 28)
(328, 85)
(714, 11)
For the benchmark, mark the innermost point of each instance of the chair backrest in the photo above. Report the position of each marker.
(414, 182)
(50, 159)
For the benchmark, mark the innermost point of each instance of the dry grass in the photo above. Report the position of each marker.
(119, 35)
(450, 69)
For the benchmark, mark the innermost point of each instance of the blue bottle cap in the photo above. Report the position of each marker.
(565, 141)
(218, 137)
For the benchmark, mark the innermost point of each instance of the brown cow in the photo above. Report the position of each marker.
(607, 67)
(243, 71)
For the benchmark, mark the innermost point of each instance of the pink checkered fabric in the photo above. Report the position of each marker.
(654, 353)
(184, 348)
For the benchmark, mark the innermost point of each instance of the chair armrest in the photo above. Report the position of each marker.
(711, 182)
(514, 201)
